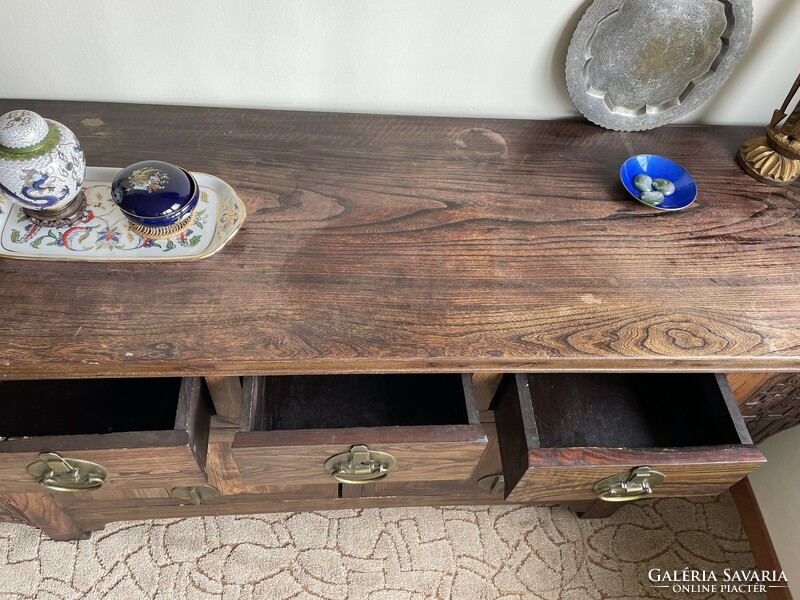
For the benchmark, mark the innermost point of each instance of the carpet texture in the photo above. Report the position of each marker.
(459, 553)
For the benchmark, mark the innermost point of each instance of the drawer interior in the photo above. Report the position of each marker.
(87, 406)
(630, 410)
(348, 401)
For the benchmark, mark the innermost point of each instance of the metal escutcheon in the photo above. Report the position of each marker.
(196, 494)
(494, 484)
(360, 465)
(636, 484)
(67, 474)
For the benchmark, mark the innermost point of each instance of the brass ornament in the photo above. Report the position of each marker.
(775, 158)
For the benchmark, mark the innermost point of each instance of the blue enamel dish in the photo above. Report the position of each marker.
(154, 193)
(658, 167)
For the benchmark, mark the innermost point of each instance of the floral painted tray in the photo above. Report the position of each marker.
(103, 234)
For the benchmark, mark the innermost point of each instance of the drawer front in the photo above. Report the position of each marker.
(535, 472)
(133, 459)
(291, 426)
(435, 453)
(558, 475)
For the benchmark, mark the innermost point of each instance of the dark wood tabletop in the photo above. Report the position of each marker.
(400, 244)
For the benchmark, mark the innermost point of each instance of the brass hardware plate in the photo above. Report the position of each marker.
(493, 483)
(196, 494)
(624, 487)
(67, 474)
(360, 465)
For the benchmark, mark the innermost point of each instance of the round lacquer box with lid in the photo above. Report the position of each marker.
(158, 198)
(41, 168)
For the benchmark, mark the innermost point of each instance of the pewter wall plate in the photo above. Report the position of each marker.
(639, 64)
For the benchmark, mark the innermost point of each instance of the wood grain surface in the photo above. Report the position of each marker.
(400, 244)
(226, 394)
(41, 510)
(485, 386)
(94, 515)
(744, 385)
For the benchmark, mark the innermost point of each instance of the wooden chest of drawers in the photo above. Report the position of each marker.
(378, 249)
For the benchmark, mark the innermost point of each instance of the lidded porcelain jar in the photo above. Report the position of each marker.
(41, 168)
(157, 197)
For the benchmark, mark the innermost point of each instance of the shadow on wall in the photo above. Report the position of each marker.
(558, 57)
(754, 55)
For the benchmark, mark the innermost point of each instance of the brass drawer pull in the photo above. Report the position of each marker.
(67, 474)
(360, 465)
(638, 483)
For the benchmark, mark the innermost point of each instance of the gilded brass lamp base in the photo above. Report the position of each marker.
(775, 158)
(761, 161)
(71, 213)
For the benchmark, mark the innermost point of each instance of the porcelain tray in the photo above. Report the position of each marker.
(103, 233)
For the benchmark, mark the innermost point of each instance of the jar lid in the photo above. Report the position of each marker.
(23, 131)
(152, 189)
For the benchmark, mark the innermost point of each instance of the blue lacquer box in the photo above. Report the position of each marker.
(157, 197)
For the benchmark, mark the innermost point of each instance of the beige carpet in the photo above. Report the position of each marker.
(389, 554)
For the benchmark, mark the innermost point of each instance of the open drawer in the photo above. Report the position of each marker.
(561, 434)
(416, 427)
(140, 433)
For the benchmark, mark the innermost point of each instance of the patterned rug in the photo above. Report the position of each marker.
(472, 553)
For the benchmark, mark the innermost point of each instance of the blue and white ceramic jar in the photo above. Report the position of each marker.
(157, 198)
(42, 168)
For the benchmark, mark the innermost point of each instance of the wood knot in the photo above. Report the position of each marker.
(685, 339)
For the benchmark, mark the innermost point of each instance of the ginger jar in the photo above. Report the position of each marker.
(41, 168)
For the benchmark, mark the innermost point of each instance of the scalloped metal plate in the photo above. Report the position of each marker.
(638, 64)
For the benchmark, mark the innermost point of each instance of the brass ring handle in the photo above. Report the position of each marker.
(59, 474)
(360, 465)
(613, 497)
(372, 477)
(86, 485)
(626, 487)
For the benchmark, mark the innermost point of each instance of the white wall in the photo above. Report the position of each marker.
(437, 57)
(777, 489)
